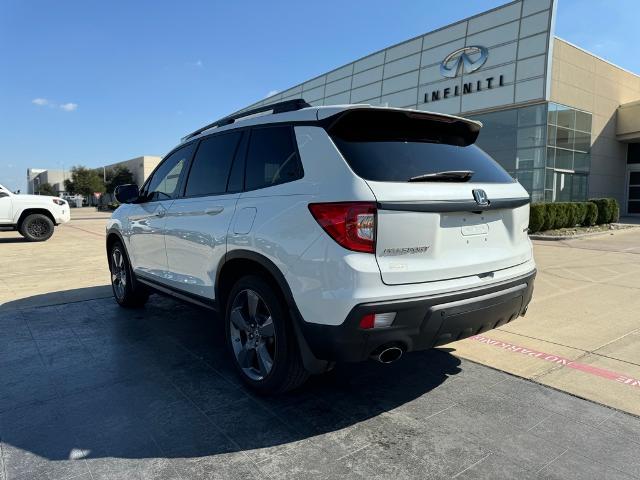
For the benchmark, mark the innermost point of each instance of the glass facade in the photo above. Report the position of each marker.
(545, 147)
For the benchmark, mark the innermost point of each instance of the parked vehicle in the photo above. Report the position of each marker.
(34, 216)
(326, 234)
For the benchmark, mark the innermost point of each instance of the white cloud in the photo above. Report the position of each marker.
(197, 64)
(271, 93)
(43, 102)
(69, 107)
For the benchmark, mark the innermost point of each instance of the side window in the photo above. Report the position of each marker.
(272, 158)
(211, 165)
(163, 185)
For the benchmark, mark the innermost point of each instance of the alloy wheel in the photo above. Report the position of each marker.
(118, 273)
(252, 334)
(37, 228)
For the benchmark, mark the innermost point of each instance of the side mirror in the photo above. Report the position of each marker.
(127, 193)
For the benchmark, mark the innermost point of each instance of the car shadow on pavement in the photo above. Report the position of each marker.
(58, 297)
(92, 380)
(17, 239)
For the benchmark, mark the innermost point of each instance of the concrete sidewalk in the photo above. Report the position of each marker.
(582, 331)
(70, 266)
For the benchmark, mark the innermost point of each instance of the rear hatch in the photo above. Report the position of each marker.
(445, 208)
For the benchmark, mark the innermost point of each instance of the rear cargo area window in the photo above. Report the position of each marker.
(272, 158)
(397, 146)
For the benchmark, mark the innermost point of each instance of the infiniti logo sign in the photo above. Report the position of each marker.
(466, 59)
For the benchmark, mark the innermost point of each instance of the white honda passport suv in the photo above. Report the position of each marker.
(326, 234)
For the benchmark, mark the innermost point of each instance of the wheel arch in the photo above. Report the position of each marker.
(113, 236)
(238, 263)
(29, 211)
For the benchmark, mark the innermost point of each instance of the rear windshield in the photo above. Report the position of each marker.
(400, 161)
(393, 147)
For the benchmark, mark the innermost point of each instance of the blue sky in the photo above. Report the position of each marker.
(94, 82)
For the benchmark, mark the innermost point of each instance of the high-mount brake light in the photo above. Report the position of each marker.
(351, 224)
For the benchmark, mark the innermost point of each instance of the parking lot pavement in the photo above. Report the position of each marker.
(582, 331)
(70, 266)
(93, 391)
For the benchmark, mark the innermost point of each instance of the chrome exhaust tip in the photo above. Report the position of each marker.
(388, 354)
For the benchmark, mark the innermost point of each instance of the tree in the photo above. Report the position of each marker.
(47, 189)
(119, 175)
(84, 181)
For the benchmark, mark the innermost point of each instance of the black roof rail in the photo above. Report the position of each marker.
(278, 107)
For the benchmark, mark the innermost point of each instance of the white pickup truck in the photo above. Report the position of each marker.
(34, 216)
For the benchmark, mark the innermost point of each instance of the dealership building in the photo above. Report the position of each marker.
(563, 121)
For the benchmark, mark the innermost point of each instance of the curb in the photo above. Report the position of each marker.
(555, 238)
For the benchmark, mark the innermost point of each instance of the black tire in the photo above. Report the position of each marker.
(287, 371)
(126, 290)
(36, 227)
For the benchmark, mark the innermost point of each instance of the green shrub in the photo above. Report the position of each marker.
(549, 217)
(572, 214)
(614, 209)
(581, 212)
(562, 215)
(536, 217)
(591, 216)
(604, 210)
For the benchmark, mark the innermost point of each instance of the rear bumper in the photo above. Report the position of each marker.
(422, 322)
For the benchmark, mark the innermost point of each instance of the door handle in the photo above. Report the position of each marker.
(214, 210)
(161, 212)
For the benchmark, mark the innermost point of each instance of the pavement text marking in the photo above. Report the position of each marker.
(562, 361)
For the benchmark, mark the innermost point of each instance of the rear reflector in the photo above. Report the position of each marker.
(351, 224)
(377, 320)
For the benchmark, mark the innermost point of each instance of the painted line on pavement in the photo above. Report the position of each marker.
(87, 231)
(558, 360)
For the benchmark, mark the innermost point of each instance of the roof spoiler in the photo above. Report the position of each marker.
(279, 107)
(388, 124)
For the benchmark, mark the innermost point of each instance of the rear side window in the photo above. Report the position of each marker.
(211, 165)
(272, 158)
(396, 146)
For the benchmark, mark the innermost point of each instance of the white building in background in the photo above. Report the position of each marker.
(561, 120)
(39, 176)
(32, 173)
(140, 167)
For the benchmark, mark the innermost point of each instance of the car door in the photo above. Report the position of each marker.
(147, 218)
(6, 207)
(198, 222)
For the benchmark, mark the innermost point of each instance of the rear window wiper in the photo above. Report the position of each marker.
(447, 176)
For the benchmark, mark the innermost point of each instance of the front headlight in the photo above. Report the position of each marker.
(57, 201)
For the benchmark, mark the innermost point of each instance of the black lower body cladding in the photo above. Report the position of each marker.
(424, 322)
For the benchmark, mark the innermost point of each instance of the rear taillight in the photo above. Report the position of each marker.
(351, 224)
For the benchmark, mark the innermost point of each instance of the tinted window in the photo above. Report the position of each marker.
(271, 158)
(163, 185)
(211, 165)
(399, 161)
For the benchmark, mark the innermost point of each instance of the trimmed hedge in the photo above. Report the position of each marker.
(591, 216)
(536, 217)
(550, 216)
